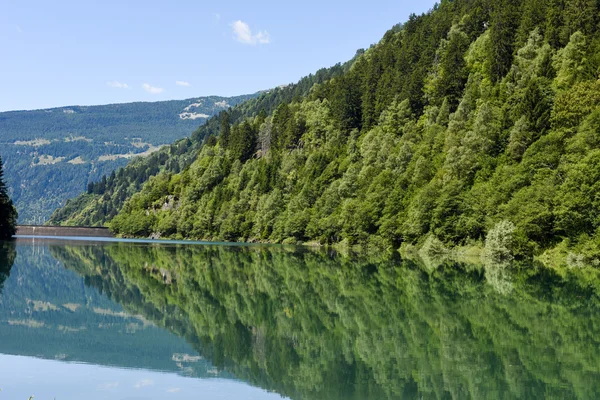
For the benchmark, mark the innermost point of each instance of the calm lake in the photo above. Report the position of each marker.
(122, 320)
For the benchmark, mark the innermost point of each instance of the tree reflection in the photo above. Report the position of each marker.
(311, 325)
(8, 254)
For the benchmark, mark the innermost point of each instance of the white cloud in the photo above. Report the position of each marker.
(174, 390)
(152, 89)
(243, 34)
(263, 37)
(118, 85)
(144, 383)
(217, 17)
(182, 83)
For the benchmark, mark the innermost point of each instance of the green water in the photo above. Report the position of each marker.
(266, 322)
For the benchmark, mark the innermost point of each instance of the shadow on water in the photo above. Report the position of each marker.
(312, 325)
(8, 254)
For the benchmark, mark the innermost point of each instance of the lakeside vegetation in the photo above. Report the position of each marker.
(477, 120)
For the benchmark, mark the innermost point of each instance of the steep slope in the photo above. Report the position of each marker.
(478, 117)
(52, 154)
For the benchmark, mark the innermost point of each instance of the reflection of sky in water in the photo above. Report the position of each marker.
(47, 312)
(21, 377)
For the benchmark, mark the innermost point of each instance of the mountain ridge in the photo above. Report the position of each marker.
(52, 154)
(118, 103)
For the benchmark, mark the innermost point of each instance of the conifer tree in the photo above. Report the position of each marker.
(580, 15)
(8, 213)
(503, 24)
(225, 128)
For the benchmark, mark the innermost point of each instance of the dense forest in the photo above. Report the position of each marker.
(311, 325)
(477, 119)
(51, 155)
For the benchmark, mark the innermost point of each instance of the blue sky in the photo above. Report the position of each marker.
(57, 53)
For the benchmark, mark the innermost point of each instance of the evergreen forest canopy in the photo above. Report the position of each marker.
(479, 118)
(51, 155)
(311, 325)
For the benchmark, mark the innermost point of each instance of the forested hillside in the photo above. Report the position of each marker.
(51, 155)
(480, 116)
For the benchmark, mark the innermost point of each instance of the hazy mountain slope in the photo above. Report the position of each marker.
(106, 196)
(52, 154)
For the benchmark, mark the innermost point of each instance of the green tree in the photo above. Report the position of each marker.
(225, 128)
(534, 14)
(503, 25)
(8, 212)
(243, 141)
(580, 15)
(572, 63)
(449, 76)
(554, 22)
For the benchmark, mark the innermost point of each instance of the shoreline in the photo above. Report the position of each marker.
(471, 254)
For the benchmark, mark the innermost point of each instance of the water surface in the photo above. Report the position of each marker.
(128, 320)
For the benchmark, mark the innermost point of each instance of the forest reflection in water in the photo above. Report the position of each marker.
(315, 325)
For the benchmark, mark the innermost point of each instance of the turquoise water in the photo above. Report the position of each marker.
(155, 320)
(62, 338)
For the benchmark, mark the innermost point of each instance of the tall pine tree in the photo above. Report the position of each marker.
(504, 22)
(8, 212)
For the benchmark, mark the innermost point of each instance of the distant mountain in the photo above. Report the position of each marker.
(51, 155)
(106, 196)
